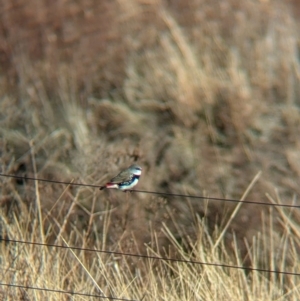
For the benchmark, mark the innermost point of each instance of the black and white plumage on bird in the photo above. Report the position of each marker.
(126, 179)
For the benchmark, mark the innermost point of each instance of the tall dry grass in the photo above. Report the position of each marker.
(117, 276)
(204, 95)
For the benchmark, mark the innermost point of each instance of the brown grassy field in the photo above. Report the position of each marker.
(204, 95)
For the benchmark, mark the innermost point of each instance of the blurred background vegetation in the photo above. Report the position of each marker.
(203, 94)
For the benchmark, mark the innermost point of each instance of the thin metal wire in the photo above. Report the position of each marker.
(163, 194)
(63, 292)
(147, 256)
(154, 257)
(50, 181)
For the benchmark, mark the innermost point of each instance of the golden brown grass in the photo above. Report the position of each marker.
(204, 95)
(131, 278)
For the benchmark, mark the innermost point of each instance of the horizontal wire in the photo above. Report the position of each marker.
(154, 257)
(215, 199)
(146, 256)
(50, 181)
(62, 291)
(156, 193)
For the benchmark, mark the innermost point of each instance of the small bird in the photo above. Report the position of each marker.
(126, 179)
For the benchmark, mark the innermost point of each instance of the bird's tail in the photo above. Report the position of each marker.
(109, 185)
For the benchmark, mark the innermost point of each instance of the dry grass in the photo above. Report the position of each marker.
(131, 278)
(203, 95)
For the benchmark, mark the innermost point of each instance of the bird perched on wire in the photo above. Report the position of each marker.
(126, 179)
